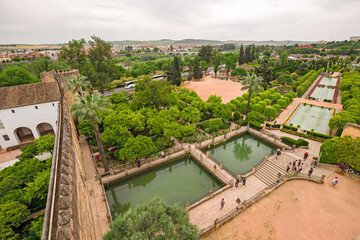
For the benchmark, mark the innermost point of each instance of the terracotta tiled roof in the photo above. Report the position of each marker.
(28, 94)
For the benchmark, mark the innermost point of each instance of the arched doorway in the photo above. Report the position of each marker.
(24, 134)
(45, 129)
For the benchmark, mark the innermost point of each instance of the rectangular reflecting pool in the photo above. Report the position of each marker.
(177, 182)
(322, 93)
(312, 117)
(241, 154)
(328, 81)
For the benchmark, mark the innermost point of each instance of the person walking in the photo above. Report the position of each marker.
(288, 167)
(306, 154)
(310, 171)
(300, 167)
(294, 164)
(138, 162)
(222, 203)
(244, 182)
(237, 182)
(315, 163)
(335, 181)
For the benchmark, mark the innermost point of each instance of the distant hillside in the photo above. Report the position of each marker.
(199, 41)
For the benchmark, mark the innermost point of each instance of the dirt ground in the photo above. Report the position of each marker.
(300, 210)
(207, 86)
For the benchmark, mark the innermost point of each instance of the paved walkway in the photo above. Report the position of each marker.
(94, 187)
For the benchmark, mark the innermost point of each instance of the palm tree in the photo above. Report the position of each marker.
(77, 84)
(89, 108)
(254, 84)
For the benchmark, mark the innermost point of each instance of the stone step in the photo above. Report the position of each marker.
(268, 172)
(264, 175)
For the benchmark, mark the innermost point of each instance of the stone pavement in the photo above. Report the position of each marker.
(204, 214)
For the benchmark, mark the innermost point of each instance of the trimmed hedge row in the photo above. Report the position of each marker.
(255, 126)
(290, 127)
(315, 134)
(291, 142)
(273, 126)
(303, 135)
(305, 85)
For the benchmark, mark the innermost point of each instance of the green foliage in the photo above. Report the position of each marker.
(117, 98)
(197, 73)
(282, 103)
(215, 124)
(15, 75)
(153, 93)
(275, 96)
(86, 128)
(173, 73)
(37, 190)
(235, 102)
(341, 150)
(270, 112)
(307, 83)
(267, 53)
(33, 229)
(237, 115)
(265, 95)
(262, 103)
(255, 117)
(257, 108)
(190, 115)
(287, 100)
(284, 56)
(267, 101)
(277, 107)
(45, 144)
(285, 79)
(241, 99)
(136, 148)
(340, 119)
(115, 135)
(230, 60)
(153, 220)
(291, 142)
(238, 72)
(12, 215)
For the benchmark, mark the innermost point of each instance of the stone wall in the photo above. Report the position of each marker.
(352, 130)
(68, 214)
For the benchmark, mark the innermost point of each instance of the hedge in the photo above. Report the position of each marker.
(255, 126)
(241, 122)
(290, 127)
(319, 135)
(291, 142)
(273, 126)
(305, 85)
(303, 135)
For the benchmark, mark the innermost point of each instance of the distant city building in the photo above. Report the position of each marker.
(322, 42)
(305, 46)
(355, 38)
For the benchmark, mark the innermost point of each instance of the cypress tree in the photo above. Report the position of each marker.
(253, 52)
(197, 72)
(247, 54)
(241, 55)
(173, 73)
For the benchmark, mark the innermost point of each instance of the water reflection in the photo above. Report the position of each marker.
(242, 151)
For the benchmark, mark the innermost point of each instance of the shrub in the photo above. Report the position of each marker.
(282, 103)
(237, 115)
(245, 96)
(289, 96)
(235, 102)
(255, 125)
(277, 107)
(264, 95)
(241, 122)
(290, 127)
(257, 108)
(240, 99)
(262, 103)
(275, 96)
(267, 101)
(257, 99)
(287, 100)
(271, 90)
(319, 135)
(255, 117)
(243, 107)
(270, 112)
(291, 142)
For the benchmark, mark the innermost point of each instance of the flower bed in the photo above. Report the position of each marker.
(316, 85)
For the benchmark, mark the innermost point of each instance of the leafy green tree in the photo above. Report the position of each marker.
(115, 135)
(78, 84)
(284, 56)
(285, 79)
(156, 94)
(267, 53)
(38, 189)
(136, 148)
(86, 128)
(223, 111)
(153, 220)
(340, 119)
(270, 112)
(216, 61)
(117, 98)
(205, 53)
(275, 96)
(33, 231)
(237, 115)
(282, 103)
(45, 144)
(197, 73)
(12, 215)
(253, 84)
(215, 124)
(89, 108)
(230, 60)
(243, 107)
(14, 75)
(239, 72)
(255, 117)
(74, 54)
(257, 108)
(264, 71)
(190, 114)
(204, 65)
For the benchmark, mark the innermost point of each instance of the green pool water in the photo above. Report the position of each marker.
(314, 117)
(323, 93)
(328, 81)
(241, 154)
(176, 182)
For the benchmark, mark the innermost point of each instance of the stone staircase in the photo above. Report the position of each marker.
(318, 171)
(268, 172)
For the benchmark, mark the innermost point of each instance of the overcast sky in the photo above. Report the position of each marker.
(50, 21)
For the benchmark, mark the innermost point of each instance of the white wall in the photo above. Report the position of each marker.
(29, 117)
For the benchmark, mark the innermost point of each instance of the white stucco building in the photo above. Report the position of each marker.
(27, 112)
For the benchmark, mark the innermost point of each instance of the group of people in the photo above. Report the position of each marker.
(240, 179)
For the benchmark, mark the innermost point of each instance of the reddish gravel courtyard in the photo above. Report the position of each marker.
(300, 210)
(207, 86)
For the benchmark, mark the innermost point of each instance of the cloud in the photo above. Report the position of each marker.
(41, 21)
